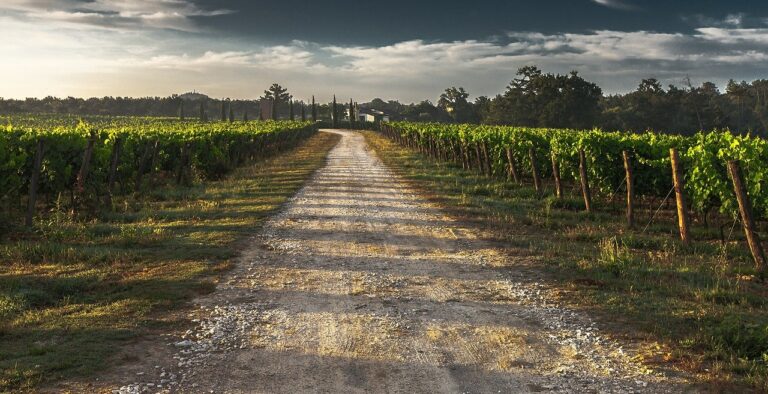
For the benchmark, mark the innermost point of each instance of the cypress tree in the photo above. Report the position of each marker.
(203, 115)
(314, 110)
(351, 114)
(334, 114)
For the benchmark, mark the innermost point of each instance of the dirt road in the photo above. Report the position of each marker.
(359, 285)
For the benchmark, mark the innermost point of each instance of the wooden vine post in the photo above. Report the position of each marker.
(556, 176)
(679, 185)
(534, 171)
(630, 180)
(112, 177)
(464, 156)
(513, 174)
(486, 159)
(478, 158)
(33, 183)
(181, 175)
(85, 167)
(584, 181)
(745, 210)
(146, 164)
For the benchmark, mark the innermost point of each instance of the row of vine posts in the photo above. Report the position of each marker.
(482, 163)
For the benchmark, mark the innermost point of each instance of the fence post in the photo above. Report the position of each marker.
(679, 182)
(33, 183)
(556, 176)
(584, 181)
(630, 180)
(534, 170)
(745, 209)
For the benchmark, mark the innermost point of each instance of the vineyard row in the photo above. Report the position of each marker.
(91, 162)
(707, 171)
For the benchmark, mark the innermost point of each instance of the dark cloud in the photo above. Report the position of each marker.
(115, 14)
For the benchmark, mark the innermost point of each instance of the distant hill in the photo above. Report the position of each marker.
(194, 96)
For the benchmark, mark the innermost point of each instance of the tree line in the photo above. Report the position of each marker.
(185, 106)
(537, 99)
(533, 98)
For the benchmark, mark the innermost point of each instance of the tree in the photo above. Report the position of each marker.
(223, 111)
(334, 114)
(181, 109)
(425, 111)
(290, 106)
(482, 107)
(520, 101)
(278, 95)
(314, 110)
(245, 115)
(454, 102)
(231, 114)
(536, 99)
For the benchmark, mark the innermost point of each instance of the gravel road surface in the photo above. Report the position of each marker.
(360, 285)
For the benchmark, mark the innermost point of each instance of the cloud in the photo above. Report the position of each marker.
(617, 4)
(138, 48)
(279, 57)
(113, 14)
(733, 36)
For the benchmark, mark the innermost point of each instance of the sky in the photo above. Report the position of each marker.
(403, 50)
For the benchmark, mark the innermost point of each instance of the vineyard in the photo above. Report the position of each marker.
(610, 162)
(90, 161)
(126, 219)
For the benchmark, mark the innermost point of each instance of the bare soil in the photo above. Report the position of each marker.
(361, 285)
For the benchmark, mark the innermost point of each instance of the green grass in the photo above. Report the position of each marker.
(72, 292)
(698, 308)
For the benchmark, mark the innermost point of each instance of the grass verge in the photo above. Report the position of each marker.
(697, 308)
(72, 292)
